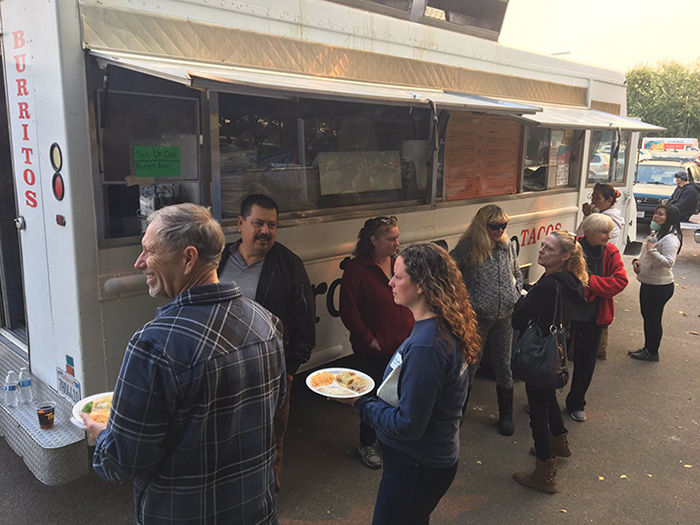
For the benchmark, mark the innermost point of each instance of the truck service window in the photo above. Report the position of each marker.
(317, 154)
(149, 157)
(550, 158)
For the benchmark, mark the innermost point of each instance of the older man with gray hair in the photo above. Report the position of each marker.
(193, 407)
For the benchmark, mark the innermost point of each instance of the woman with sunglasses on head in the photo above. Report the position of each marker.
(377, 325)
(488, 262)
(419, 430)
(564, 274)
(606, 278)
(654, 271)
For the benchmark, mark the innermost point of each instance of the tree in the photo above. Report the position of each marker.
(668, 96)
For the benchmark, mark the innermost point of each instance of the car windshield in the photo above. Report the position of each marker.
(655, 174)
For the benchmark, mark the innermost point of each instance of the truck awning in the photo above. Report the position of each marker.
(263, 83)
(584, 118)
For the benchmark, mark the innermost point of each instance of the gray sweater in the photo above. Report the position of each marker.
(494, 287)
(655, 264)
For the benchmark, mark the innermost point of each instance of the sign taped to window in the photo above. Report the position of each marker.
(156, 161)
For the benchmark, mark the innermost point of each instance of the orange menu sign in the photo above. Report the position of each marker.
(481, 156)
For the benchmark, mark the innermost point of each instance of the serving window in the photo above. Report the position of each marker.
(149, 156)
(316, 155)
(551, 158)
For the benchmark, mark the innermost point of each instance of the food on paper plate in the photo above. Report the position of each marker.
(333, 390)
(344, 377)
(357, 384)
(99, 408)
(322, 378)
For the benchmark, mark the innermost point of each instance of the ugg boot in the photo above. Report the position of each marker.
(559, 445)
(603, 346)
(542, 478)
(505, 411)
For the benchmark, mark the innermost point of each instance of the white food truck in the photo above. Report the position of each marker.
(340, 110)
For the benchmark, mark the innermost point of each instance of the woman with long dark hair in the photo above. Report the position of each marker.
(377, 325)
(654, 270)
(489, 264)
(564, 274)
(426, 382)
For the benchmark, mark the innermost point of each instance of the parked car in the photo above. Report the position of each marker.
(598, 167)
(655, 182)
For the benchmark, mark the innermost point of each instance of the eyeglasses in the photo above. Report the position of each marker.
(497, 226)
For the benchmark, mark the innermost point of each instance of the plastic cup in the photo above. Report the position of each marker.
(45, 411)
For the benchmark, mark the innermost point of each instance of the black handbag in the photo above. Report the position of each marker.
(540, 358)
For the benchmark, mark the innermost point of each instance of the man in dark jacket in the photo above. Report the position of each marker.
(274, 276)
(685, 197)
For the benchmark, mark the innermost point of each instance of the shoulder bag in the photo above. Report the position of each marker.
(540, 358)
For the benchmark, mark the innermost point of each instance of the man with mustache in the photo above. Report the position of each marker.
(194, 404)
(274, 276)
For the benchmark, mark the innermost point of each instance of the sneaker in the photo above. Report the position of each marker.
(370, 457)
(644, 355)
(578, 415)
(636, 352)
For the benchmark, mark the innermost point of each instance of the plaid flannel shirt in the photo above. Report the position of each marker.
(193, 410)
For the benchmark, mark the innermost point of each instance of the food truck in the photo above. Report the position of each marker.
(340, 110)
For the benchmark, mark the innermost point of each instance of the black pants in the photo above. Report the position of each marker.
(373, 366)
(545, 418)
(586, 337)
(409, 491)
(652, 299)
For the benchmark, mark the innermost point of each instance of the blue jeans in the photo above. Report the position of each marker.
(409, 491)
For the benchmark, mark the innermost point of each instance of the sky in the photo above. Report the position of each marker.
(614, 34)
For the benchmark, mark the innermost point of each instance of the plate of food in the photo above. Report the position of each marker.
(340, 382)
(97, 406)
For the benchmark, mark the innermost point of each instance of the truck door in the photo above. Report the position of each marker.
(12, 317)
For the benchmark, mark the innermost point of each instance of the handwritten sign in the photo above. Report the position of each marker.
(156, 161)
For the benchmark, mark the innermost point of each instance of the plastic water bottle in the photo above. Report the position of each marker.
(25, 386)
(10, 388)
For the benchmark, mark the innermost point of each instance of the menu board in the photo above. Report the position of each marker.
(560, 150)
(481, 155)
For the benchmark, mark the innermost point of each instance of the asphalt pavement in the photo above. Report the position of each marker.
(635, 461)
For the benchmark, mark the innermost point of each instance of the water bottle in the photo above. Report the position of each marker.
(25, 386)
(11, 394)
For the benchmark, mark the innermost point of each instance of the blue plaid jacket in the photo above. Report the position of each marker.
(191, 420)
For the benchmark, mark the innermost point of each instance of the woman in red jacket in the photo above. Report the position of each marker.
(607, 278)
(377, 324)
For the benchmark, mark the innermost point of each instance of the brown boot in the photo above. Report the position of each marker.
(559, 446)
(603, 346)
(542, 478)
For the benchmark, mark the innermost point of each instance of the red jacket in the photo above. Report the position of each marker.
(368, 310)
(608, 285)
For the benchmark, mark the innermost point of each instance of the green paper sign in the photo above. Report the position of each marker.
(157, 161)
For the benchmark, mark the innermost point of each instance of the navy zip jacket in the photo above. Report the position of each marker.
(432, 390)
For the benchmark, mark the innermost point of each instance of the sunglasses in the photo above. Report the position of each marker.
(378, 221)
(495, 227)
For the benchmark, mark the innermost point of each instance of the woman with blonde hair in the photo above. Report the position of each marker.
(607, 278)
(565, 275)
(426, 383)
(488, 262)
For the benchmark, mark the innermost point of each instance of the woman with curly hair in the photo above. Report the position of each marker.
(565, 274)
(425, 385)
(489, 264)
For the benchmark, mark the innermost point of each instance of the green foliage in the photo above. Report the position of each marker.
(668, 96)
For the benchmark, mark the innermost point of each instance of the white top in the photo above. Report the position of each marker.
(655, 263)
(616, 233)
